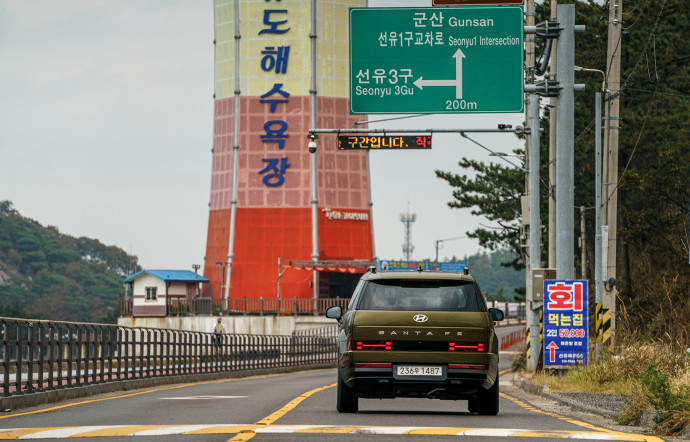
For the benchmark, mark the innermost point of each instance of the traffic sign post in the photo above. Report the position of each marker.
(436, 60)
(566, 340)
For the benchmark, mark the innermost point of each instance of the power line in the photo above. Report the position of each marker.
(643, 55)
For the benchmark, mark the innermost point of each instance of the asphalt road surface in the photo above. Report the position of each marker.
(298, 407)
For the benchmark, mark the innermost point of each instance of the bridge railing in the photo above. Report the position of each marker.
(39, 356)
(243, 306)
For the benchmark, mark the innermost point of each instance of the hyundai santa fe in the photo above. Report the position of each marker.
(421, 334)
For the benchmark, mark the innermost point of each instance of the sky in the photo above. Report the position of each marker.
(106, 120)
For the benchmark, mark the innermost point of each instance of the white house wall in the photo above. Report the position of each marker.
(142, 307)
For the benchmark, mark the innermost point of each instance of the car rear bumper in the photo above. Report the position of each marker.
(457, 380)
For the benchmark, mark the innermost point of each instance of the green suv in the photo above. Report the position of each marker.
(423, 334)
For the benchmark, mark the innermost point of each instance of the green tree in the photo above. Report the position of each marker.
(654, 161)
(58, 276)
(494, 194)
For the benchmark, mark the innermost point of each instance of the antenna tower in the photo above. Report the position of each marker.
(407, 219)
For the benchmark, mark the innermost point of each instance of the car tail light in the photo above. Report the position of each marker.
(466, 346)
(372, 365)
(371, 345)
(468, 366)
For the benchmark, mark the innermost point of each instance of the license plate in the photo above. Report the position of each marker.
(419, 370)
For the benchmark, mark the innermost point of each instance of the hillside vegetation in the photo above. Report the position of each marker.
(46, 274)
(498, 281)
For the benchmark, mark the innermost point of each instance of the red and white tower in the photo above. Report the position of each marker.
(266, 100)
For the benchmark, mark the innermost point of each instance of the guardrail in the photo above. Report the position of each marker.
(243, 306)
(512, 338)
(38, 356)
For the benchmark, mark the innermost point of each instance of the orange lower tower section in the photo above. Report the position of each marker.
(273, 223)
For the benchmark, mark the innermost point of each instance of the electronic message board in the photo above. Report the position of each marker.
(384, 142)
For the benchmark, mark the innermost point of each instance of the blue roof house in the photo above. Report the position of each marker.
(153, 291)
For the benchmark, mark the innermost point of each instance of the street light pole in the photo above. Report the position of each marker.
(441, 241)
(223, 265)
(598, 270)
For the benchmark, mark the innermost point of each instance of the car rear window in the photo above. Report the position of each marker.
(415, 294)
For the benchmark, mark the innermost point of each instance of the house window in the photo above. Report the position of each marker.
(151, 293)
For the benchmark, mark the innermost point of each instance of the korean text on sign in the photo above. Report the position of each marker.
(274, 59)
(565, 323)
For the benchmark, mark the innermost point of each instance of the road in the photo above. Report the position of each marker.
(294, 407)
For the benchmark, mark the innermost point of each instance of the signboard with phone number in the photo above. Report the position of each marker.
(565, 323)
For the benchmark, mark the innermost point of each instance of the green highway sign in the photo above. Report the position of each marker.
(436, 60)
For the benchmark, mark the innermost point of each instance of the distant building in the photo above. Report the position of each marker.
(153, 290)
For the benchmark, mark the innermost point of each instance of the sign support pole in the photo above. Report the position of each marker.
(534, 227)
(597, 212)
(565, 135)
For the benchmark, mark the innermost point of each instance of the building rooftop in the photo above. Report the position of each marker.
(170, 275)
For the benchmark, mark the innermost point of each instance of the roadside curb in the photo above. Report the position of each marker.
(525, 385)
(646, 423)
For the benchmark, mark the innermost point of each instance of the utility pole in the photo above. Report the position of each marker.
(552, 152)
(583, 257)
(534, 229)
(612, 119)
(530, 62)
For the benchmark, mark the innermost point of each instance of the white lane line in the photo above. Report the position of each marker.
(491, 432)
(600, 436)
(117, 430)
(193, 398)
(287, 428)
(384, 430)
(67, 432)
(173, 430)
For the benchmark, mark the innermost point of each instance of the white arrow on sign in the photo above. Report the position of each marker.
(458, 56)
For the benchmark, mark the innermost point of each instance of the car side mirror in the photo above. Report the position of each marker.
(335, 312)
(496, 314)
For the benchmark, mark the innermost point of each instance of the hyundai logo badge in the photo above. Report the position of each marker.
(420, 318)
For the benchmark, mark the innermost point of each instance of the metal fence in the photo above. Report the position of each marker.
(243, 306)
(39, 356)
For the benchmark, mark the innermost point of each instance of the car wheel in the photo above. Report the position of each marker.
(488, 400)
(347, 400)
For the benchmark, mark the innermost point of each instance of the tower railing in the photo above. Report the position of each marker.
(243, 306)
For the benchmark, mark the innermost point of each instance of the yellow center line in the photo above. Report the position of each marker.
(268, 420)
(243, 436)
(271, 418)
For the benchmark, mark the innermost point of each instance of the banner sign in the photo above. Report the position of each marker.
(424, 265)
(565, 323)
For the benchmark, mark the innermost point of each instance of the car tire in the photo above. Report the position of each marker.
(347, 400)
(488, 401)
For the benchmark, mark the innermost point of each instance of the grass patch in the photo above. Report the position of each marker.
(648, 375)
